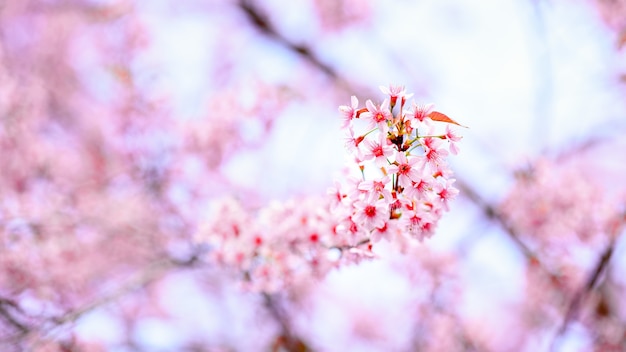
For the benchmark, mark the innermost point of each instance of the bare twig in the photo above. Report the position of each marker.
(287, 340)
(492, 214)
(5, 305)
(583, 292)
(592, 280)
(152, 273)
(263, 23)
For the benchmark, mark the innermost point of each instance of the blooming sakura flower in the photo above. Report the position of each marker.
(385, 232)
(351, 141)
(394, 93)
(377, 115)
(378, 150)
(351, 231)
(446, 192)
(434, 153)
(354, 192)
(405, 170)
(418, 223)
(452, 137)
(421, 112)
(422, 187)
(442, 171)
(349, 112)
(377, 188)
(372, 214)
(336, 194)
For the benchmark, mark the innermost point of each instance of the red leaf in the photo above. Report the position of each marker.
(360, 111)
(441, 117)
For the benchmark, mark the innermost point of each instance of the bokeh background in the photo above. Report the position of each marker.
(163, 106)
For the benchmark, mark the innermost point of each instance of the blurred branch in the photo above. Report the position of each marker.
(580, 295)
(261, 21)
(580, 147)
(151, 274)
(592, 280)
(492, 214)
(286, 340)
(7, 316)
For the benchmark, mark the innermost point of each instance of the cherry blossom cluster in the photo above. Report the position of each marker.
(400, 183)
(275, 246)
(556, 205)
(400, 190)
(561, 210)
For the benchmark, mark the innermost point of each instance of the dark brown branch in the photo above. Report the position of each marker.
(150, 274)
(10, 318)
(259, 20)
(591, 282)
(492, 214)
(580, 295)
(287, 339)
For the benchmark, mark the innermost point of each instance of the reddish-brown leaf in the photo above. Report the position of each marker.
(360, 111)
(441, 117)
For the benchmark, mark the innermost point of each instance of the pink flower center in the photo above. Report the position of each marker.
(420, 113)
(353, 228)
(378, 150)
(415, 220)
(370, 211)
(379, 117)
(433, 156)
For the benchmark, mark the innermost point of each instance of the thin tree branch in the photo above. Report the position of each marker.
(592, 280)
(492, 214)
(287, 339)
(10, 318)
(152, 273)
(579, 297)
(263, 23)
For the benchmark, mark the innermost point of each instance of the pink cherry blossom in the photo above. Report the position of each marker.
(405, 169)
(336, 194)
(419, 224)
(452, 137)
(371, 214)
(377, 188)
(352, 141)
(377, 116)
(396, 92)
(388, 232)
(420, 112)
(434, 153)
(379, 150)
(349, 112)
(421, 188)
(446, 192)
